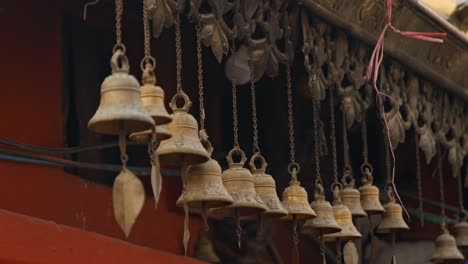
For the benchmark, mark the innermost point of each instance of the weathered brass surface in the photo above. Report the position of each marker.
(205, 250)
(392, 219)
(204, 188)
(162, 133)
(120, 110)
(351, 197)
(239, 183)
(152, 98)
(370, 200)
(184, 146)
(460, 230)
(295, 199)
(446, 249)
(265, 187)
(324, 222)
(343, 217)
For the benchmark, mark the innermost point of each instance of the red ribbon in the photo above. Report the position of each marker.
(373, 72)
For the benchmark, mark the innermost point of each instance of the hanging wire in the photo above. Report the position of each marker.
(85, 8)
(256, 147)
(235, 122)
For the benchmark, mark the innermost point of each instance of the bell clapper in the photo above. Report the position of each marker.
(205, 218)
(339, 254)
(186, 235)
(322, 248)
(260, 227)
(238, 228)
(295, 240)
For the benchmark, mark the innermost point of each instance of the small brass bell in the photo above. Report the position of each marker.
(350, 196)
(265, 187)
(446, 249)
(162, 133)
(460, 231)
(184, 146)
(239, 183)
(152, 97)
(295, 199)
(324, 223)
(370, 200)
(343, 217)
(392, 219)
(205, 251)
(204, 187)
(120, 110)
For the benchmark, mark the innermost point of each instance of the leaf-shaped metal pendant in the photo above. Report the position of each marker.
(128, 197)
(161, 12)
(212, 34)
(156, 180)
(350, 253)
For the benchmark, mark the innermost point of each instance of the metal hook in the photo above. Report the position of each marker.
(85, 8)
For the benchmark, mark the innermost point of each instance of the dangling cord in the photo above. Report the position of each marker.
(85, 8)
(118, 26)
(441, 186)
(256, 148)
(419, 181)
(178, 43)
(339, 255)
(295, 253)
(347, 171)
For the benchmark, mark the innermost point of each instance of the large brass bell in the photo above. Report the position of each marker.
(350, 196)
(295, 199)
(370, 200)
(120, 110)
(204, 250)
(343, 217)
(446, 249)
(184, 146)
(460, 231)
(204, 187)
(392, 219)
(265, 187)
(239, 183)
(324, 223)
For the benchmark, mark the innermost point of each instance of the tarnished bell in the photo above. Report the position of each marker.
(343, 217)
(324, 223)
(370, 200)
(295, 199)
(120, 110)
(152, 97)
(265, 187)
(184, 146)
(204, 187)
(162, 133)
(460, 231)
(392, 219)
(239, 183)
(351, 197)
(446, 249)
(205, 251)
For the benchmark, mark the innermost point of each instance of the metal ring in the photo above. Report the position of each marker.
(255, 157)
(368, 166)
(148, 60)
(119, 46)
(292, 166)
(184, 96)
(234, 151)
(336, 185)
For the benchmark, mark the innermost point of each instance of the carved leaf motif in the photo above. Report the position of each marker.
(212, 35)
(161, 12)
(128, 197)
(427, 143)
(397, 130)
(455, 158)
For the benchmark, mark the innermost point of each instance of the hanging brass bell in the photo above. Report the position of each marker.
(265, 187)
(162, 133)
(204, 187)
(120, 110)
(460, 230)
(205, 251)
(446, 249)
(152, 96)
(324, 223)
(239, 183)
(392, 219)
(184, 146)
(343, 217)
(370, 200)
(350, 196)
(295, 199)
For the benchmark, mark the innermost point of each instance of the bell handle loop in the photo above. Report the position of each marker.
(318, 190)
(255, 157)
(336, 188)
(148, 62)
(233, 151)
(348, 179)
(294, 167)
(119, 46)
(390, 193)
(366, 168)
(208, 146)
(187, 102)
(119, 62)
(148, 76)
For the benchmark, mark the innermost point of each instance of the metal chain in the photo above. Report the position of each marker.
(322, 250)
(118, 21)
(365, 148)
(292, 147)
(200, 78)
(256, 148)
(460, 193)
(235, 127)
(333, 134)
(419, 180)
(178, 42)
(316, 145)
(441, 185)
(345, 143)
(146, 29)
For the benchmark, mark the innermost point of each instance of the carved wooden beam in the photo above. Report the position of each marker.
(445, 64)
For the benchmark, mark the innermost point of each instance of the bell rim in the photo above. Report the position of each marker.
(243, 211)
(315, 231)
(299, 216)
(190, 158)
(197, 204)
(131, 123)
